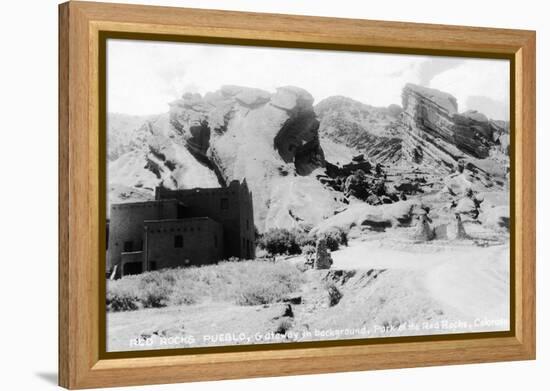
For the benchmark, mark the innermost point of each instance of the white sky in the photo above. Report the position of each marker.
(143, 77)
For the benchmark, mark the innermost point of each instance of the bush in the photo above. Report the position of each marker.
(280, 241)
(121, 297)
(334, 238)
(156, 289)
(305, 239)
(258, 293)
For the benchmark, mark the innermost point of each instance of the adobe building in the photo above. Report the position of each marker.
(181, 228)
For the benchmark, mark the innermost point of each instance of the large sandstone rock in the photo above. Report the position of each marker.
(323, 259)
(430, 112)
(427, 132)
(423, 232)
(144, 152)
(271, 140)
(455, 228)
(376, 217)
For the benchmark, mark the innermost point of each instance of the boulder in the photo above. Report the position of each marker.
(292, 99)
(323, 259)
(455, 228)
(423, 232)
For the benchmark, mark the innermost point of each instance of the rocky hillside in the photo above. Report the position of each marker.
(361, 127)
(297, 157)
(426, 132)
(144, 152)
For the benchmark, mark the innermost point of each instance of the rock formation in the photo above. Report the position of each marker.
(144, 152)
(365, 128)
(422, 232)
(323, 259)
(455, 228)
(435, 133)
(276, 141)
(271, 140)
(427, 131)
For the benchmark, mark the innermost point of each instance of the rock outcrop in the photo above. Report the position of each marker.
(275, 140)
(434, 133)
(323, 259)
(272, 140)
(427, 131)
(434, 112)
(362, 127)
(144, 152)
(423, 232)
(455, 228)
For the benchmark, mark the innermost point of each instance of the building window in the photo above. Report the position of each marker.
(128, 246)
(178, 241)
(224, 203)
(247, 224)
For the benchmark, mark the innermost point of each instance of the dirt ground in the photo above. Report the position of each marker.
(380, 287)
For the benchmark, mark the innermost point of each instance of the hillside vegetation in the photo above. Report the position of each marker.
(242, 283)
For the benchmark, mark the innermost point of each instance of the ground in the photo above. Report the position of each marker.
(381, 285)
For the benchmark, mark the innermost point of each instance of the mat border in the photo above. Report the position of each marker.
(84, 29)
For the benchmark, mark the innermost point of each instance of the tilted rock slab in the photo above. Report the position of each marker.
(271, 140)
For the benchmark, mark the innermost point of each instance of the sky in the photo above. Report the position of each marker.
(144, 76)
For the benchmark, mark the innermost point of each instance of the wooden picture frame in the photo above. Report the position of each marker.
(81, 25)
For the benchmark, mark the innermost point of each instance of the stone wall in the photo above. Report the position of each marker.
(126, 225)
(178, 243)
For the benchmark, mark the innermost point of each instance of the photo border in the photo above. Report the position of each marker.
(104, 36)
(80, 232)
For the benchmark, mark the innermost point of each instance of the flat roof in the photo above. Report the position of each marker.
(185, 220)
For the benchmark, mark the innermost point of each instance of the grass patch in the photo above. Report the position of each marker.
(242, 282)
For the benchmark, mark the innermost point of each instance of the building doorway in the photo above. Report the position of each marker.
(132, 268)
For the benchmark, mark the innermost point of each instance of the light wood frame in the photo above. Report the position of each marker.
(80, 24)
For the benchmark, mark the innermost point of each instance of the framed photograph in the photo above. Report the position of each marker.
(247, 195)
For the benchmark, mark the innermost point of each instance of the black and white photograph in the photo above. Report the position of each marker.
(262, 195)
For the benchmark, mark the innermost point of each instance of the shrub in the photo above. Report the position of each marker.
(121, 297)
(267, 290)
(305, 239)
(256, 294)
(280, 241)
(155, 289)
(335, 237)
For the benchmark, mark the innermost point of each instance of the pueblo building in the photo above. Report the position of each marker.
(181, 228)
